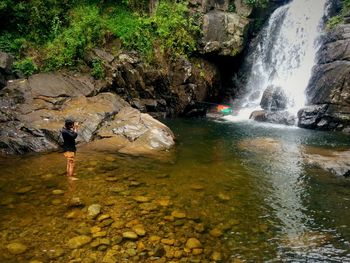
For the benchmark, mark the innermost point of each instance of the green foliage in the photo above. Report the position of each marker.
(232, 7)
(61, 33)
(257, 3)
(11, 43)
(69, 47)
(338, 19)
(170, 26)
(25, 66)
(132, 29)
(97, 69)
(334, 21)
(175, 29)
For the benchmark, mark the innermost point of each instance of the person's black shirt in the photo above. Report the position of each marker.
(69, 137)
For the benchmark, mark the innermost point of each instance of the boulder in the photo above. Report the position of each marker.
(33, 111)
(274, 98)
(277, 117)
(136, 133)
(224, 33)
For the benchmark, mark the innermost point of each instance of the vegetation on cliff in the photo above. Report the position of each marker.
(338, 19)
(49, 35)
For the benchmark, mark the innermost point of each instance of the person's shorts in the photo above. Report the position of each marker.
(70, 156)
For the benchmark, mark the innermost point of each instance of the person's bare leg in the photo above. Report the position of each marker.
(71, 170)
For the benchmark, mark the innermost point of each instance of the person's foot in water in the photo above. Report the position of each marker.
(73, 178)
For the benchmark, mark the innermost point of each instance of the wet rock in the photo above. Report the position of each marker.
(93, 211)
(224, 197)
(130, 235)
(56, 201)
(178, 214)
(216, 232)
(149, 207)
(197, 251)
(75, 202)
(164, 202)
(277, 117)
(167, 241)
(154, 239)
(196, 187)
(139, 230)
(103, 217)
(24, 190)
(334, 161)
(79, 241)
(16, 248)
(57, 192)
(141, 199)
(273, 99)
(106, 222)
(193, 243)
(159, 251)
(216, 256)
(99, 234)
(55, 253)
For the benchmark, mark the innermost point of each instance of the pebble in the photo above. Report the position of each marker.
(16, 248)
(164, 202)
(79, 241)
(216, 256)
(224, 197)
(168, 241)
(130, 235)
(197, 251)
(216, 232)
(93, 211)
(154, 239)
(178, 214)
(99, 234)
(24, 190)
(148, 206)
(193, 243)
(139, 230)
(141, 199)
(57, 192)
(56, 202)
(111, 179)
(103, 217)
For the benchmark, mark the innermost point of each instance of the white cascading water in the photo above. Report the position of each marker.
(284, 56)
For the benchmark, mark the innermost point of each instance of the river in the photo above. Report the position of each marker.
(242, 190)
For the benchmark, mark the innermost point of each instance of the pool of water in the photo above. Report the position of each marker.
(243, 190)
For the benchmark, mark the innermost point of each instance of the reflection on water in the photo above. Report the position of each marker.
(243, 191)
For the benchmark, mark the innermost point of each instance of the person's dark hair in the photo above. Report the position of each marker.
(68, 123)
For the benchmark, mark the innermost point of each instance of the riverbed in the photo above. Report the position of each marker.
(228, 192)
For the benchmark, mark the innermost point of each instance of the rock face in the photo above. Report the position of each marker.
(32, 112)
(329, 89)
(6, 61)
(170, 90)
(224, 33)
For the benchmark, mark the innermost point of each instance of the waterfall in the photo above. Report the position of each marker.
(283, 55)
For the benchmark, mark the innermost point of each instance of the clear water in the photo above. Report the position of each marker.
(268, 204)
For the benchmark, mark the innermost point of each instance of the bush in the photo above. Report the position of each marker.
(97, 69)
(26, 66)
(84, 32)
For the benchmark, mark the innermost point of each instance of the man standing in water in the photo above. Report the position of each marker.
(69, 134)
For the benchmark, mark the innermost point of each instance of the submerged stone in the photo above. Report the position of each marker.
(94, 210)
(16, 248)
(79, 241)
(193, 243)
